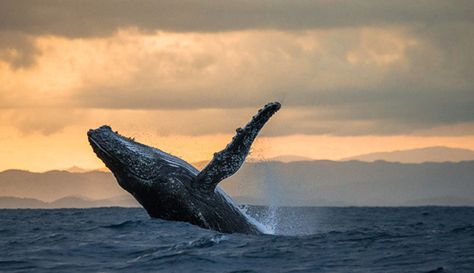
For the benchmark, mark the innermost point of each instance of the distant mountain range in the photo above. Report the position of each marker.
(354, 183)
(76, 169)
(428, 154)
(287, 158)
(53, 185)
(68, 202)
(299, 183)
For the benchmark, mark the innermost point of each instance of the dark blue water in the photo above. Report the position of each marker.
(424, 239)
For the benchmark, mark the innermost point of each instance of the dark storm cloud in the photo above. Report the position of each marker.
(96, 18)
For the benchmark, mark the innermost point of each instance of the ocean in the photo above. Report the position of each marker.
(305, 239)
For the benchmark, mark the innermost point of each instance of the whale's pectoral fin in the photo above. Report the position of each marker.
(226, 162)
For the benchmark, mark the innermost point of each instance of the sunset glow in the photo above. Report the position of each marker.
(345, 88)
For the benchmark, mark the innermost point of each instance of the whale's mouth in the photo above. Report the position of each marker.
(98, 149)
(112, 162)
(108, 158)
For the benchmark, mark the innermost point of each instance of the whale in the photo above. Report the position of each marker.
(170, 188)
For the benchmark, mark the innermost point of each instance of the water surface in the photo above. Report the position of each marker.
(421, 239)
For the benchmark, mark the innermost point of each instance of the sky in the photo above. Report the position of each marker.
(352, 76)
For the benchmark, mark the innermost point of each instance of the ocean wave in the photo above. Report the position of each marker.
(338, 240)
(464, 229)
(124, 225)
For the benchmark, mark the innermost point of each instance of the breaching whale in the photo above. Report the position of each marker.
(172, 189)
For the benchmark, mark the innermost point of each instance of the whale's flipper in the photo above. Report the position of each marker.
(226, 162)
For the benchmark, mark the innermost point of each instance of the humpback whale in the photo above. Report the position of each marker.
(172, 189)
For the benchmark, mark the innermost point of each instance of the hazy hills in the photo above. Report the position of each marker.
(68, 202)
(322, 183)
(355, 183)
(289, 158)
(53, 185)
(428, 154)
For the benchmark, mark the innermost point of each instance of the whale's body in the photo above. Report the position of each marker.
(172, 189)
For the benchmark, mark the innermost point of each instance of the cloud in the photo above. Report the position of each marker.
(351, 81)
(42, 120)
(98, 18)
(377, 75)
(90, 18)
(339, 67)
(17, 49)
(205, 70)
(147, 124)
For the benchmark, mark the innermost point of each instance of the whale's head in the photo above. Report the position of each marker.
(142, 170)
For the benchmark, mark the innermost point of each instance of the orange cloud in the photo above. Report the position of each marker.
(345, 90)
(324, 77)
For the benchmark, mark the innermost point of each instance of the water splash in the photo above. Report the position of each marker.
(260, 223)
(244, 209)
(272, 198)
(271, 219)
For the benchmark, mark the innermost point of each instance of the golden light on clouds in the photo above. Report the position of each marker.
(345, 89)
(256, 62)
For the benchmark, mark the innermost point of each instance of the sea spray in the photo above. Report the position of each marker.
(244, 209)
(256, 220)
(267, 220)
(272, 198)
